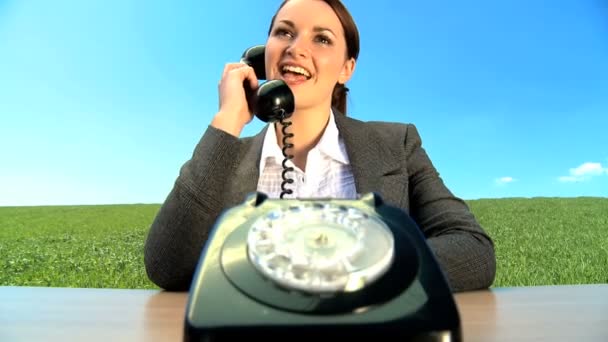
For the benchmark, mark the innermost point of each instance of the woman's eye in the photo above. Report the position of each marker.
(324, 40)
(283, 32)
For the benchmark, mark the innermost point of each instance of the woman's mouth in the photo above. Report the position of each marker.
(293, 74)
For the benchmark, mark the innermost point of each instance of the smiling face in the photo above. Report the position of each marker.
(307, 49)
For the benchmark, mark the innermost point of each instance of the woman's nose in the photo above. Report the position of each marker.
(298, 48)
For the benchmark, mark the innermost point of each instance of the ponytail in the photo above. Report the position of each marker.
(338, 97)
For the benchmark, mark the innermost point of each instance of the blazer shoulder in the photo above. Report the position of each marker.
(396, 136)
(399, 133)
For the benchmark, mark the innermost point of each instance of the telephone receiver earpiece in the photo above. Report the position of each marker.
(273, 100)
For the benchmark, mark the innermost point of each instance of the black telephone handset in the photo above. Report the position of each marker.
(273, 101)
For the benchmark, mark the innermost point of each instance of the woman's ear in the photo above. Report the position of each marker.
(347, 70)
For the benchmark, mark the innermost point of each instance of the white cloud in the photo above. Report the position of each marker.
(505, 180)
(584, 172)
(592, 169)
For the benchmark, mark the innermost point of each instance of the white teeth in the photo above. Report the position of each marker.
(298, 70)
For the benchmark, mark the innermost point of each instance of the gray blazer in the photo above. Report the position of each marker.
(387, 158)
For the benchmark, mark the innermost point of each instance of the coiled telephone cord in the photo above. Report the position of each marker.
(286, 146)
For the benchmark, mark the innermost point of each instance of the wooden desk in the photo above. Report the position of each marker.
(555, 313)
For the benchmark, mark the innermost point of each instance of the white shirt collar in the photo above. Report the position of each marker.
(330, 144)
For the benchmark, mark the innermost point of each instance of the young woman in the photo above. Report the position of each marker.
(313, 46)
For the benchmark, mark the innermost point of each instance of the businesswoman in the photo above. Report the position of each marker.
(313, 46)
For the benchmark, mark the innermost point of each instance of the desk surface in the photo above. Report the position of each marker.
(553, 313)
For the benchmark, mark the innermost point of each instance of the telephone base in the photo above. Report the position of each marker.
(292, 333)
(231, 299)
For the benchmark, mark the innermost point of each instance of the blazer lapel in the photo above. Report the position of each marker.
(247, 168)
(375, 167)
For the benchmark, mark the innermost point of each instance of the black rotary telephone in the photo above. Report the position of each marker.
(318, 269)
(273, 101)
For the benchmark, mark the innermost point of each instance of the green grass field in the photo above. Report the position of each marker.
(539, 241)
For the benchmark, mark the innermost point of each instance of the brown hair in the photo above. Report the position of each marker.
(351, 35)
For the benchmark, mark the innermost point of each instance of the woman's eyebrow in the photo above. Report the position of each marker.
(315, 29)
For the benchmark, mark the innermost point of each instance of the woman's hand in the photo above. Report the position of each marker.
(234, 111)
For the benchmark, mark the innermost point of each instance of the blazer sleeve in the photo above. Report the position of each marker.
(181, 227)
(462, 247)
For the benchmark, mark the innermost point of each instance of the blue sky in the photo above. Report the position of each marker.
(102, 101)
